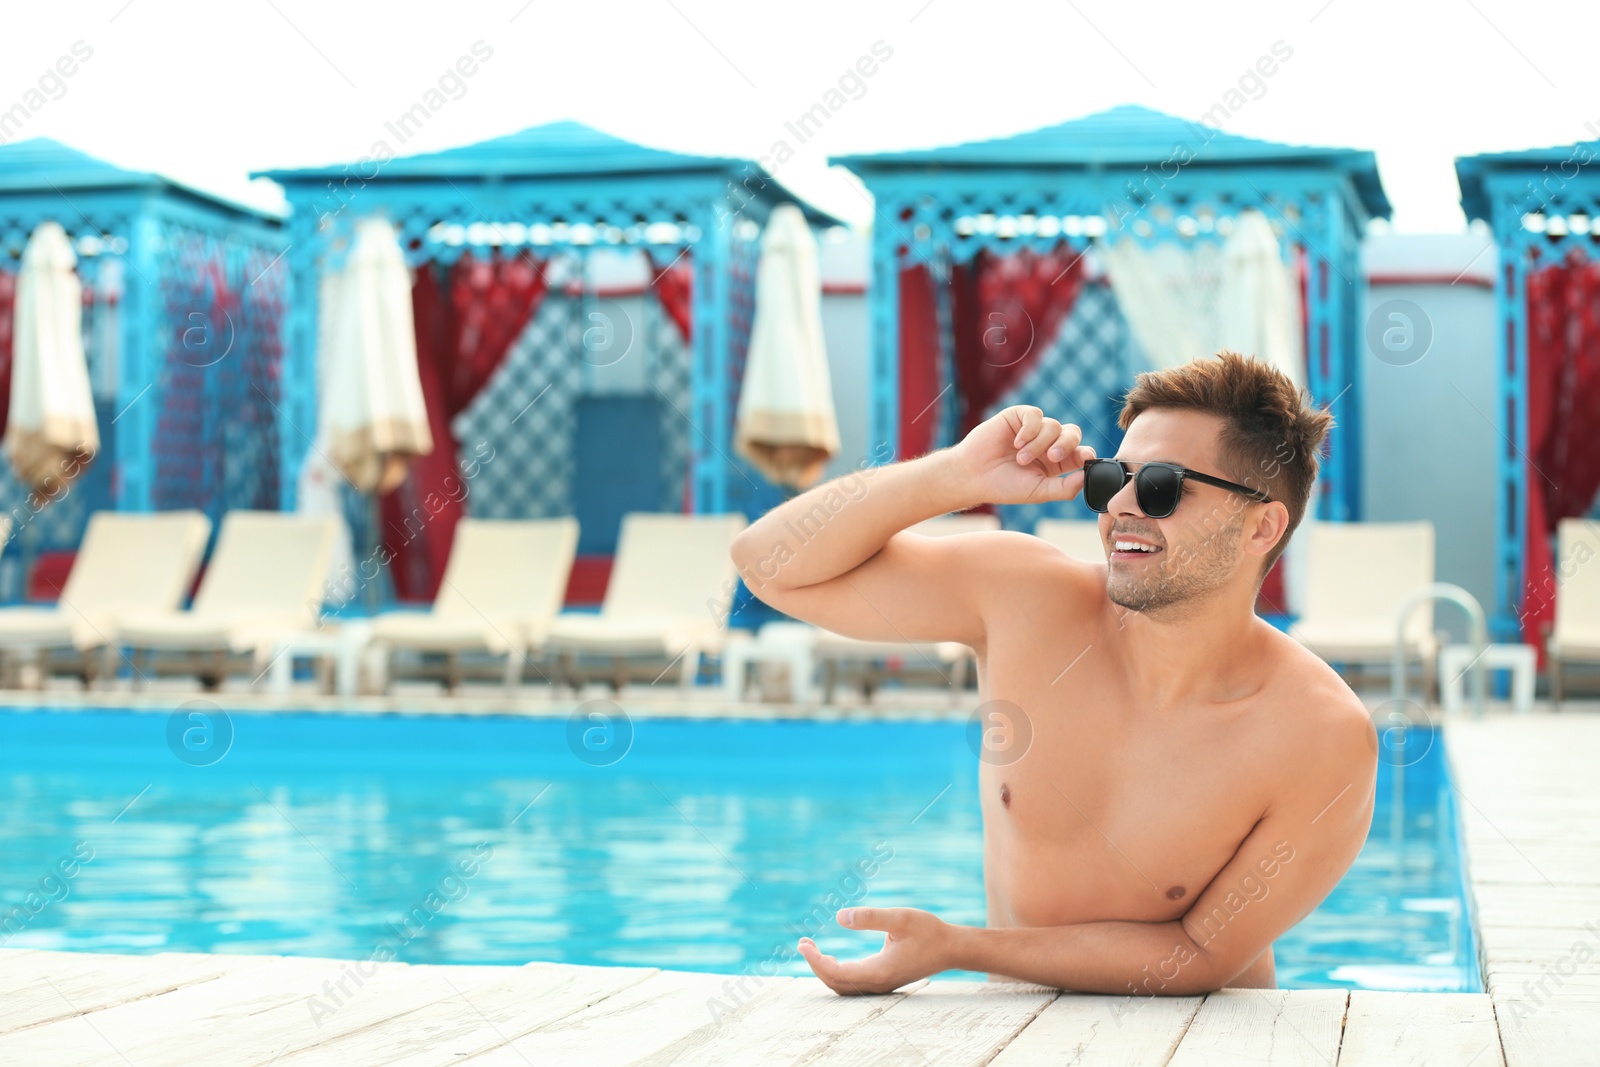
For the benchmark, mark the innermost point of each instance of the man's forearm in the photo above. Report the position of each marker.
(1142, 959)
(834, 527)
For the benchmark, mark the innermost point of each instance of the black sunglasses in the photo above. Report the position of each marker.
(1157, 486)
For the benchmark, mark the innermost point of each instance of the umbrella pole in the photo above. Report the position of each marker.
(374, 537)
(30, 554)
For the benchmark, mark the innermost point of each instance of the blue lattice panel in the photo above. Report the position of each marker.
(1081, 378)
(669, 355)
(524, 413)
(254, 386)
(218, 358)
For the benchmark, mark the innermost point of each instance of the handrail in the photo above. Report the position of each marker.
(1480, 640)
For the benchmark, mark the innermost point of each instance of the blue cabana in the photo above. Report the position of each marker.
(556, 196)
(183, 297)
(1137, 172)
(1541, 205)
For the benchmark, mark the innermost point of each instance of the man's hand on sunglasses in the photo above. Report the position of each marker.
(1021, 456)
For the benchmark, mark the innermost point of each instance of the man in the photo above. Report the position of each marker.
(1173, 783)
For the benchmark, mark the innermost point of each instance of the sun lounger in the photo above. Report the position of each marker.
(949, 661)
(127, 562)
(671, 585)
(1358, 576)
(265, 580)
(502, 590)
(1575, 634)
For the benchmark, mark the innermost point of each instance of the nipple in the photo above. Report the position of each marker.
(1176, 892)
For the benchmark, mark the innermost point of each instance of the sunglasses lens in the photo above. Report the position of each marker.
(1102, 479)
(1158, 489)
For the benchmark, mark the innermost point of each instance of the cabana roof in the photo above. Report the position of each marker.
(1130, 136)
(564, 149)
(1472, 172)
(44, 165)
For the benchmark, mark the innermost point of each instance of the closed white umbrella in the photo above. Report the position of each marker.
(374, 419)
(787, 427)
(51, 433)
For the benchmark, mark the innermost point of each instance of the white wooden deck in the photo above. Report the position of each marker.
(1531, 803)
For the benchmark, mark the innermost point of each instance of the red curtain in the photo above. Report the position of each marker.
(674, 286)
(1006, 309)
(8, 300)
(466, 319)
(919, 362)
(1563, 393)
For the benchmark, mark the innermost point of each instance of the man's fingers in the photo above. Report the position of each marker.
(1065, 444)
(849, 978)
(1035, 445)
(889, 920)
(1069, 485)
(1030, 417)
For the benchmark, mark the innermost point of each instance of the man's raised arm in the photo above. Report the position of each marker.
(838, 555)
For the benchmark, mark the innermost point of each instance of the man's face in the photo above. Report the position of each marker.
(1194, 551)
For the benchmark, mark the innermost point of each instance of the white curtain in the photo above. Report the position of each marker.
(1185, 301)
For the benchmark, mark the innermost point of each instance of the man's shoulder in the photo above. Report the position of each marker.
(1316, 705)
(1013, 550)
(1008, 569)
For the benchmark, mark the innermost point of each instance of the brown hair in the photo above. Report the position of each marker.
(1270, 432)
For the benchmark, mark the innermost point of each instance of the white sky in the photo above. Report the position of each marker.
(206, 91)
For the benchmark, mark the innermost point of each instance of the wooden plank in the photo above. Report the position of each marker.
(251, 1016)
(1534, 862)
(1420, 1028)
(1098, 1031)
(637, 1022)
(1561, 1031)
(788, 1020)
(1536, 905)
(941, 1023)
(16, 960)
(114, 1034)
(1538, 943)
(1277, 1026)
(490, 1016)
(45, 987)
(1533, 982)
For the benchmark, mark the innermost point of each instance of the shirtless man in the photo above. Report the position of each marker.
(1172, 782)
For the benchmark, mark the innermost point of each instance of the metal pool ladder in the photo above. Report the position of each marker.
(1480, 640)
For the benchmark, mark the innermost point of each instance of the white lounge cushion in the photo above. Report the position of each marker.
(503, 586)
(265, 579)
(670, 586)
(128, 562)
(1359, 575)
(1575, 634)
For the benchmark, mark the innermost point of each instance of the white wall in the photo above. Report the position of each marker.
(1430, 433)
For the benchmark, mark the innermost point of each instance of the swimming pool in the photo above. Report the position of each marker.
(691, 844)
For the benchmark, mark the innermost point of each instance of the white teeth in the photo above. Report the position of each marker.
(1131, 546)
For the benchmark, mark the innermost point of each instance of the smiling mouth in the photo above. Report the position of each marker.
(1121, 549)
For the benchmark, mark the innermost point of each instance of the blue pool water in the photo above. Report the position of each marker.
(711, 845)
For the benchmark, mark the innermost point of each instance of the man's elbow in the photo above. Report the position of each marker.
(1190, 971)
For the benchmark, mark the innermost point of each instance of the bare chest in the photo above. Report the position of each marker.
(1110, 813)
